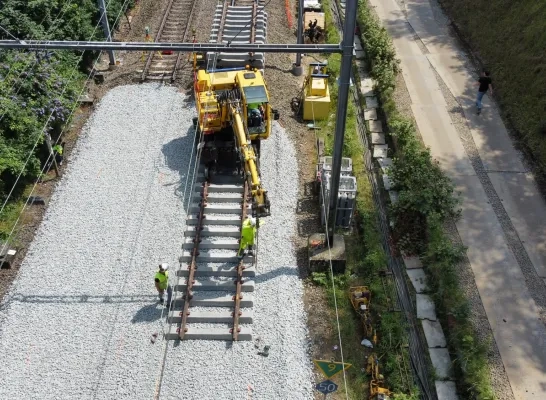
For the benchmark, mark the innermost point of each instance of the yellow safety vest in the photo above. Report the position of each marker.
(162, 279)
(59, 149)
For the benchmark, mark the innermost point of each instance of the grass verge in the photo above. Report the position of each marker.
(365, 258)
(420, 213)
(508, 38)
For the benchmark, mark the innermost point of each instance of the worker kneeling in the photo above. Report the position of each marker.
(248, 235)
(162, 283)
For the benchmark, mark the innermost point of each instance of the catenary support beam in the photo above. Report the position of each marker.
(160, 46)
(106, 30)
(343, 96)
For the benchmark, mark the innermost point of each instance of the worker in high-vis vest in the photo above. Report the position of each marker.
(248, 235)
(162, 283)
(58, 152)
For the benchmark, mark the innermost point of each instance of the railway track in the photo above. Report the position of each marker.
(174, 27)
(239, 21)
(213, 298)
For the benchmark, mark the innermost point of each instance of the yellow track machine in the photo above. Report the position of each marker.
(377, 391)
(234, 115)
(314, 97)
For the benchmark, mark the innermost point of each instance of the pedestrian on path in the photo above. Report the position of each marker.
(485, 84)
(162, 283)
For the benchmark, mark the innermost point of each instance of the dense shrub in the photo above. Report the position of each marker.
(38, 89)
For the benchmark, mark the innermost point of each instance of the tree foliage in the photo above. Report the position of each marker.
(38, 89)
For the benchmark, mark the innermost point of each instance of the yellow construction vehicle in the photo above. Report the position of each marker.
(377, 391)
(233, 116)
(315, 94)
(361, 297)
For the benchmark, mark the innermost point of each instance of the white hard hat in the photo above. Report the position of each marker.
(164, 266)
(252, 221)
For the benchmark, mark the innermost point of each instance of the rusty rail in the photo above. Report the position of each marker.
(158, 36)
(192, 267)
(184, 37)
(239, 280)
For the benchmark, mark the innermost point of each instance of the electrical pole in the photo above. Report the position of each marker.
(298, 69)
(347, 46)
(106, 29)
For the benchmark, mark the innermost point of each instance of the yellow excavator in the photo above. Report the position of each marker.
(377, 391)
(233, 116)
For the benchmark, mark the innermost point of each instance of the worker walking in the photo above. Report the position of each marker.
(58, 152)
(162, 283)
(248, 235)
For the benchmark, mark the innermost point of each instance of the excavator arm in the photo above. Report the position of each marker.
(260, 202)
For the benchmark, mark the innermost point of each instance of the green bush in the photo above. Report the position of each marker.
(39, 89)
(426, 201)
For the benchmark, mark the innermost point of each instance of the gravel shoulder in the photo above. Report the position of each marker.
(77, 321)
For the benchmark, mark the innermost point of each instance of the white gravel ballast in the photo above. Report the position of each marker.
(78, 320)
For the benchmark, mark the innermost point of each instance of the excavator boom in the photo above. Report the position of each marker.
(260, 202)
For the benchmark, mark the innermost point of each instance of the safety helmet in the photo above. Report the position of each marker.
(252, 221)
(164, 266)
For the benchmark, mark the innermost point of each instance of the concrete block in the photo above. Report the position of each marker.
(442, 363)
(215, 188)
(220, 197)
(208, 299)
(247, 286)
(366, 91)
(219, 208)
(216, 257)
(393, 195)
(366, 82)
(215, 220)
(371, 102)
(213, 317)
(217, 231)
(412, 262)
(360, 55)
(228, 244)
(425, 307)
(385, 163)
(387, 183)
(380, 150)
(370, 114)
(446, 390)
(376, 126)
(433, 333)
(378, 138)
(418, 279)
(358, 45)
(357, 41)
(210, 334)
(224, 270)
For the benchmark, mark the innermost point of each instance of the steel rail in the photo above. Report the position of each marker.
(239, 280)
(161, 46)
(192, 267)
(158, 36)
(179, 55)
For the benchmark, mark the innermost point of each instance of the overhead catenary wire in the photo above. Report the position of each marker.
(197, 150)
(38, 179)
(42, 131)
(324, 204)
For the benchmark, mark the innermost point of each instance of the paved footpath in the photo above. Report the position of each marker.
(503, 214)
